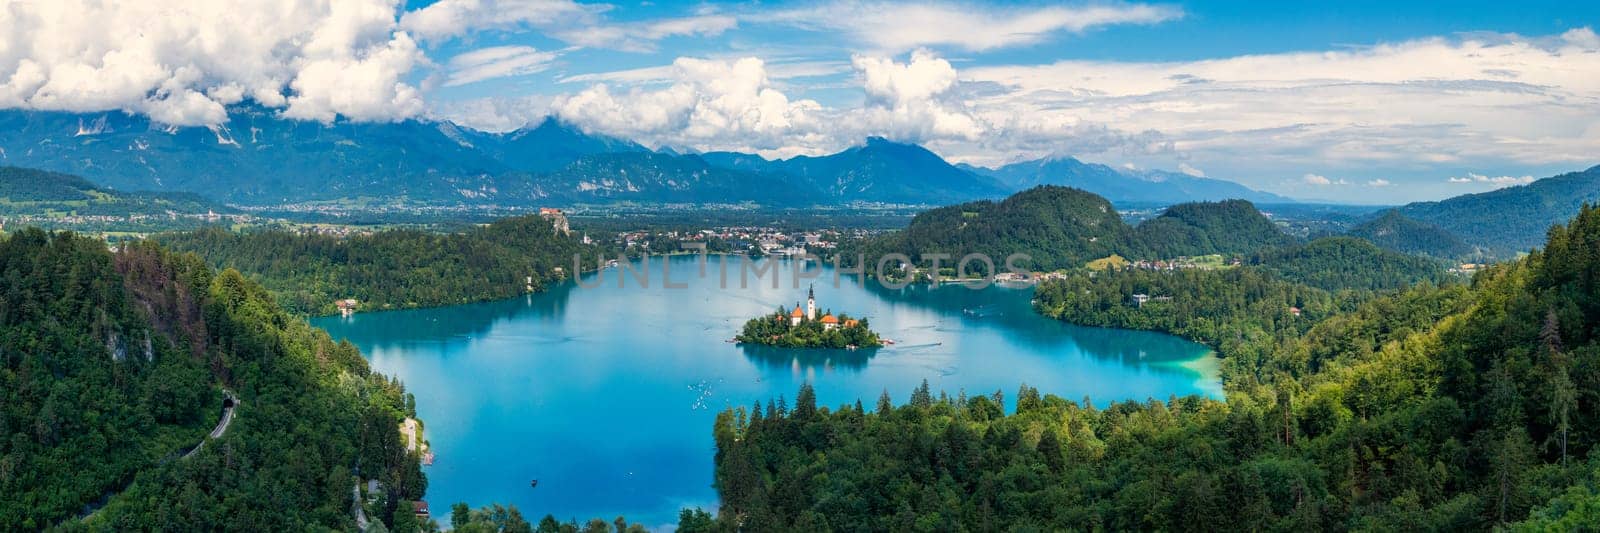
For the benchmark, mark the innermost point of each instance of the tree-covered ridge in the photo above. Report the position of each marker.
(1334, 263)
(778, 330)
(111, 367)
(1231, 309)
(1514, 219)
(1439, 408)
(1065, 228)
(26, 191)
(1058, 227)
(1395, 231)
(1229, 227)
(393, 269)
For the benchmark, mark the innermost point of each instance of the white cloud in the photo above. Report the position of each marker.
(571, 22)
(1186, 169)
(641, 37)
(1380, 182)
(496, 62)
(1498, 181)
(447, 19)
(893, 27)
(916, 100)
(666, 73)
(182, 61)
(1507, 98)
(1322, 181)
(711, 105)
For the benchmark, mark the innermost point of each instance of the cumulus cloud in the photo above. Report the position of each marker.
(916, 100)
(496, 62)
(1498, 181)
(1186, 169)
(1322, 181)
(181, 61)
(1380, 182)
(893, 27)
(710, 105)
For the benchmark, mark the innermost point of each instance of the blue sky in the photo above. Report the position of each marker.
(1376, 102)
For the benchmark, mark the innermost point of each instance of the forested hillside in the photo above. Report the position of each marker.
(1058, 227)
(1395, 231)
(393, 269)
(1231, 227)
(1334, 263)
(26, 191)
(1438, 408)
(112, 367)
(1514, 219)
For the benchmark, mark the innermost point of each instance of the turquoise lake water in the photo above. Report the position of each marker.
(606, 395)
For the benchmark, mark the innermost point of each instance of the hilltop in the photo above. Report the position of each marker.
(1229, 227)
(1394, 231)
(1514, 219)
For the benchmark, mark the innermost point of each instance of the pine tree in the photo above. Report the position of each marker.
(885, 405)
(922, 397)
(805, 403)
(1050, 447)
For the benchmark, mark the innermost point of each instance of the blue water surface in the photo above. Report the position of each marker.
(606, 395)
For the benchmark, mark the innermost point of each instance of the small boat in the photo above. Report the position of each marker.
(533, 484)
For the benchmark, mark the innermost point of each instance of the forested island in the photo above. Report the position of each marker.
(803, 328)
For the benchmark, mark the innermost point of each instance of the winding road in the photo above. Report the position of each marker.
(229, 402)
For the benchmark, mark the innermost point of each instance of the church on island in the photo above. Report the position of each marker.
(801, 327)
(828, 321)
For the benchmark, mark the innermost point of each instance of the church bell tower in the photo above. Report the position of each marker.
(811, 303)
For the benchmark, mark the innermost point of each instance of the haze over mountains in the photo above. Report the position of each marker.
(258, 158)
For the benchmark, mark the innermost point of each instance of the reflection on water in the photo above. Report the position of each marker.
(607, 394)
(772, 358)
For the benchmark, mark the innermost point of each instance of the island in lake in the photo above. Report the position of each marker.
(802, 328)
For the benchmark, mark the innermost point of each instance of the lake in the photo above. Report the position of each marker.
(606, 395)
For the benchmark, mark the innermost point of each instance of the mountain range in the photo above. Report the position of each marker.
(259, 158)
(1122, 186)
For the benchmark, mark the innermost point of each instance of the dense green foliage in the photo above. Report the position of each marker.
(1436, 408)
(1395, 231)
(507, 519)
(1233, 309)
(1334, 263)
(1514, 219)
(778, 330)
(1065, 228)
(393, 269)
(1057, 227)
(111, 369)
(61, 200)
(29, 185)
(1230, 227)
